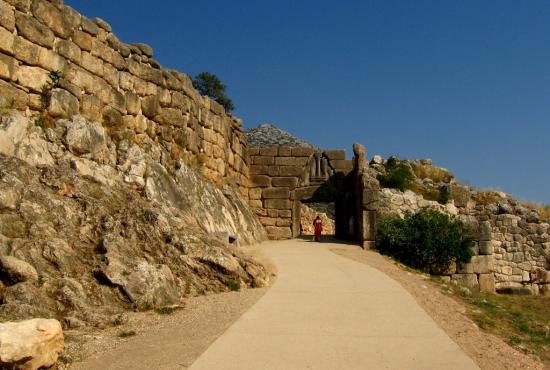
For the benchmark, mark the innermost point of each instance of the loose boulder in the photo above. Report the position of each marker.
(31, 344)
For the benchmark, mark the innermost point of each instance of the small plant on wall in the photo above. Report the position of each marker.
(398, 175)
(424, 240)
(44, 119)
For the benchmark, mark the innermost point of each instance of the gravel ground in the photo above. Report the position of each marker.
(488, 351)
(171, 341)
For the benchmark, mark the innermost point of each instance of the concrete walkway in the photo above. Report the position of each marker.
(328, 312)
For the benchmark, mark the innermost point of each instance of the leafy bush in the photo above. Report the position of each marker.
(210, 85)
(398, 175)
(427, 239)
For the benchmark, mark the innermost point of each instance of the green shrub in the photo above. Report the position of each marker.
(427, 239)
(398, 175)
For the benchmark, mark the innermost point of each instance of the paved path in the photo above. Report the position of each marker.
(328, 312)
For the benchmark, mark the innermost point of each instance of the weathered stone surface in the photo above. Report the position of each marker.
(260, 181)
(26, 51)
(89, 26)
(52, 17)
(466, 279)
(276, 193)
(84, 137)
(302, 152)
(21, 5)
(269, 152)
(278, 204)
(335, 154)
(70, 50)
(102, 24)
(290, 161)
(33, 30)
(33, 78)
(145, 49)
(14, 270)
(63, 104)
(486, 247)
(260, 160)
(150, 106)
(278, 233)
(6, 41)
(487, 283)
(290, 171)
(32, 344)
(51, 61)
(290, 182)
(7, 16)
(8, 67)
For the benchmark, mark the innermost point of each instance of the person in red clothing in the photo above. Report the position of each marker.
(317, 229)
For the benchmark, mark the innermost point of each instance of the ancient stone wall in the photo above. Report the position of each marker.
(512, 250)
(117, 84)
(281, 177)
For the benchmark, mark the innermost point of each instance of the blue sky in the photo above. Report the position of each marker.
(466, 83)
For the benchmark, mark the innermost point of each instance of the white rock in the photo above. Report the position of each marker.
(31, 344)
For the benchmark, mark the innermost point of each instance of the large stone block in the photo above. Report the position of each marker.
(83, 40)
(48, 14)
(89, 27)
(150, 106)
(268, 221)
(12, 96)
(278, 232)
(33, 78)
(487, 283)
(51, 61)
(21, 5)
(63, 104)
(91, 107)
(7, 16)
(260, 181)
(335, 154)
(285, 151)
(291, 161)
(466, 279)
(8, 67)
(270, 152)
(302, 152)
(277, 204)
(485, 230)
(26, 51)
(261, 160)
(290, 171)
(171, 116)
(290, 182)
(486, 247)
(276, 193)
(255, 193)
(92, 64)
(340, 165)
(482, 264)
(259, 170)
(33, 30)
(6, 41)
(71, 51)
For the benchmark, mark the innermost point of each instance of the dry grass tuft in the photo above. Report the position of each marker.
(436, 174)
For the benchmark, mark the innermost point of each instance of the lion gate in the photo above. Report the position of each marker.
(281, 178)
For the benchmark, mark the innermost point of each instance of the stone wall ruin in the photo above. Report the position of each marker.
(117, 84)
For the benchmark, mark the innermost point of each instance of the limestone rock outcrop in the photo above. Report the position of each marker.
(106, 226)
(31, 344)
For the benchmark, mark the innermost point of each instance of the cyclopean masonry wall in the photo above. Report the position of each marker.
(117, 84)
(282, 177)
(512, 248)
